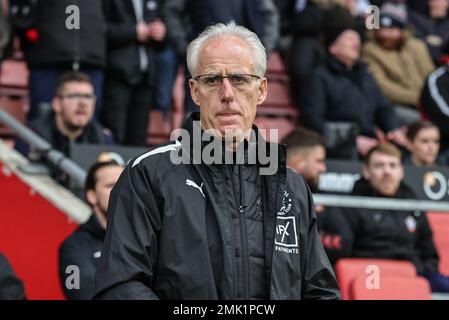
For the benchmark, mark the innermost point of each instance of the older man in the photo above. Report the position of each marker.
(214, 230)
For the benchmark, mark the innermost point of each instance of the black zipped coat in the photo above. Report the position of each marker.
(197, 231)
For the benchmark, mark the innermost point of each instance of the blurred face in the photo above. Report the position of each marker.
(390, 37)
(425, 147)
(384, 173)
(346, 48)
(75, 105)
(106, 178)
(227, 104)
(310, 164)
(438, 8)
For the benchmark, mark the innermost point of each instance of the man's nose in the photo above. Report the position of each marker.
(226, 91)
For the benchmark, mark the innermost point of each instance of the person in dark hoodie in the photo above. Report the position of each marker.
(83, 248)
(388, 234)
(342, 89)
(306, 156)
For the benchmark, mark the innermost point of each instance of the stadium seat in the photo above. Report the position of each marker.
(439, 223)
(278, 102)
(347, 270)
(392, 288)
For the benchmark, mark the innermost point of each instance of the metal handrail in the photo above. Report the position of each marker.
(55, 157)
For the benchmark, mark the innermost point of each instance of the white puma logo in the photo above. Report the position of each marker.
(190, 183)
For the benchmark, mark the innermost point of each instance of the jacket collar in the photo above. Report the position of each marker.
(251, 147)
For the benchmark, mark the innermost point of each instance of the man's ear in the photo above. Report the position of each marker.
(91, 198)
(56, 105)
(296, 163)
(365, 172)
(263, 90)
(194, 92)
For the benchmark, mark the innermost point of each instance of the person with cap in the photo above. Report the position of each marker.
(83, 248)
(342, 89)
(398, 61)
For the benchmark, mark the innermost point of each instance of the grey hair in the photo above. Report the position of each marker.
(230, 29)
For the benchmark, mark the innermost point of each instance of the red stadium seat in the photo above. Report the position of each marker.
(392, 288)
(439, 223)
(347, 270)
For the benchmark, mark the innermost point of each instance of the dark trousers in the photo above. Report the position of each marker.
(438, 282)
(167, 65)
(126, 110)
(42, 85)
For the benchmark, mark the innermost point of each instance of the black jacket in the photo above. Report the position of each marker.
(435, 101)
(47, 129)
(334, 93)
(82, 249)
(200, 232)
(386, 234)
(122, 44)
(58, 45)
(335, 233)
(186, 19)
(11, 287)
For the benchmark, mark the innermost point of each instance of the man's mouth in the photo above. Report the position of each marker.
(228, 117)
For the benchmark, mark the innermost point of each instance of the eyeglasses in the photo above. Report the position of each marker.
(237, 80)
(78, 96)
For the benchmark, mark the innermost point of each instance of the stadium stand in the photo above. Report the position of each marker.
(392, 288)
(32, 229)
(347, 270)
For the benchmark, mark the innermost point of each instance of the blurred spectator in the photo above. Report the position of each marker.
(135, 31)
(387, 234)
(432, 27)
(435, 98)
(342, 90)
(306, 156)
(11, 288)
(399, 62)
(71, 119)
(423, 144)
(186, 19)
(306, 51)
(53, 44)
(83, 247)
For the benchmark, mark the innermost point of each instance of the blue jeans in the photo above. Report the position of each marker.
(42, 85)
(167, 65)
(438, 282)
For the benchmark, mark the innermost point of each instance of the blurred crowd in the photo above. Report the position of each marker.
(358, 74)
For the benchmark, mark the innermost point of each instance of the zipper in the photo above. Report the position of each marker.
(243, 236)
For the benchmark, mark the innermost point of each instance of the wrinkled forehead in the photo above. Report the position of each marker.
(226, 50)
